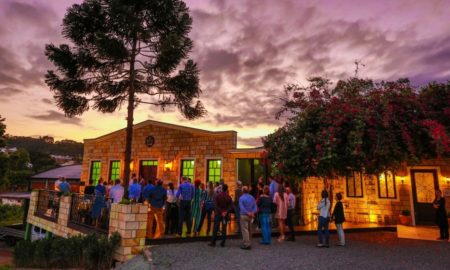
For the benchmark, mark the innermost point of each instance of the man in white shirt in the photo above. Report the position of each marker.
(116, 192)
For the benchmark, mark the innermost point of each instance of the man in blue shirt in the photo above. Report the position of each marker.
(247, 206)
(146, 191)
(64, 187)
(156, 197)
(134, 192)
(185, 193)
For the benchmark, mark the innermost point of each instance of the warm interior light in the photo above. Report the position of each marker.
(168, 166)
(131, 165)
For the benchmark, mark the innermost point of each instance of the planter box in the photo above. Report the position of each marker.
(404, 220)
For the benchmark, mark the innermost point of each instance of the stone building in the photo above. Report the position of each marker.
(168, 151)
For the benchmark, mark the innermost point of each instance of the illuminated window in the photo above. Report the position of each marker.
(187, 168)
(354, 185)
(149, 163)
(95, 172)
(386, 186)
(214, 170)
(114, 170)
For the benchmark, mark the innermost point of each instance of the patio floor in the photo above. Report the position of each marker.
(430, 233)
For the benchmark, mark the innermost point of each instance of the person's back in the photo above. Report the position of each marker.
(265, 204)
(57, 183)
(157, 196)
(274, 186)
(134, 191)
(223, 203)
(116, 192)
(146, 191)
(64, 187)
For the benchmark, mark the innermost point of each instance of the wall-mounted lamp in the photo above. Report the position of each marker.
(168, 166)
(402, 179)
(448, 181)
(131, 165)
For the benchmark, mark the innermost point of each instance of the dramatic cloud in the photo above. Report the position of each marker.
(54, 116)
(248, 49)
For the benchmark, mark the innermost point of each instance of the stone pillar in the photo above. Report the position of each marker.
(130, 221)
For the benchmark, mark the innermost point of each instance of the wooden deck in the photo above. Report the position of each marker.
(430, 233)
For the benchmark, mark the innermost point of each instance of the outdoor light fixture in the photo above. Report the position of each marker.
(402, 179)
(131, 165)
(168, 166)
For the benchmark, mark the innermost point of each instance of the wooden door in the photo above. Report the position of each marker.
(149, 171)
(424, 184)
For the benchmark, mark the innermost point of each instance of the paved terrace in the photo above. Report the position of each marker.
(373, 250)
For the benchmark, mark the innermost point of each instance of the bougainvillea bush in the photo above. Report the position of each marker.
(359, 125)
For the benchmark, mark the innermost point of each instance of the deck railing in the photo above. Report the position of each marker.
(89, 213)
(48, 205)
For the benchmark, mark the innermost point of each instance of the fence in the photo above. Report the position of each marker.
(89, 213)
(48, 205)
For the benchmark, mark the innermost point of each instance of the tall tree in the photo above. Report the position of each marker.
(125, 51)
(3, 157)
(2, 132)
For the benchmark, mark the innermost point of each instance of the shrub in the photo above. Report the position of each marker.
(10, 214)
(87, 252)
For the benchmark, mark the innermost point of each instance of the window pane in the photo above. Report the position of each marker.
(354, 185)
(188, 168)
(386, 185)
(114, 170)
(95, 172)
(214, 170)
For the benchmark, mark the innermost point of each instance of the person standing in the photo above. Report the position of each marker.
(156, 197)
(237, 213)
(281, 200)
(208, 207)
(441, 215)
(57, 183)
(247, 205)
(134, 192)
(324, 219)
(223, 205)
(64, 187)
(339, 218)
(99, 202)
(185, 194)
(171, 211)
(273, 186)
(265, 206)
(197, 205)
(290, 213)
(116, 192)
(146, 190)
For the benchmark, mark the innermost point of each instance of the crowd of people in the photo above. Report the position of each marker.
(262, 206)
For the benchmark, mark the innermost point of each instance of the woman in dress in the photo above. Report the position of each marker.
(281, 200)
(197, 205)
(264, 207)
(441, 215)
(99, 202)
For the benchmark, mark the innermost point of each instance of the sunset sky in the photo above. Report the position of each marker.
(246, 50)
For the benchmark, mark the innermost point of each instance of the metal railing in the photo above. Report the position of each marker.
(48, 205)
(90, 213)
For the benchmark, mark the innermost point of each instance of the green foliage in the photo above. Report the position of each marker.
(19, 168)
(10, 214)
(47, 145)
(42, 162)
(358, 125)
(3, 170)
(86, 252)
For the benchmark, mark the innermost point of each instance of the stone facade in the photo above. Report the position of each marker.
(370, 208)
(172, 145)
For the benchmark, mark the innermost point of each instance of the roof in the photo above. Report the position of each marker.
(15, 195)
(69, 172)
(248, 150)
(167, 125)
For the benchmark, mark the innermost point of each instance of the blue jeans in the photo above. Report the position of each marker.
(265, 226)
(323, 224)
(218, 219)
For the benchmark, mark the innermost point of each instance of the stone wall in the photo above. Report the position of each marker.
(130, 221)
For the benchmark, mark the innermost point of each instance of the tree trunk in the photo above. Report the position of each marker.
(130, 113)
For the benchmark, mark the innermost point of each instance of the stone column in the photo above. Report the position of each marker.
(130, 221)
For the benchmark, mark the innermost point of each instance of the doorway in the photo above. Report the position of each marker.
(424, 184)
(148, 170)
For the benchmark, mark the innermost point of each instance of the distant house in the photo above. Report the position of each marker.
(8, 150)
(46, 180)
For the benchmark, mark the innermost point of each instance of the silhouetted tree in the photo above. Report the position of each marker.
(125, 52)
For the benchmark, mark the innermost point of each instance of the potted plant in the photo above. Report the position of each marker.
(405, 218)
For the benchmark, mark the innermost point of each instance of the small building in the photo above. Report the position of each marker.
(46, 180)
(167, 151)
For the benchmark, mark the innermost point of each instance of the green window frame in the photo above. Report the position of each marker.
(149, 163)
(214, 173)
(187, 168)
(96, 166)
(114, 170)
